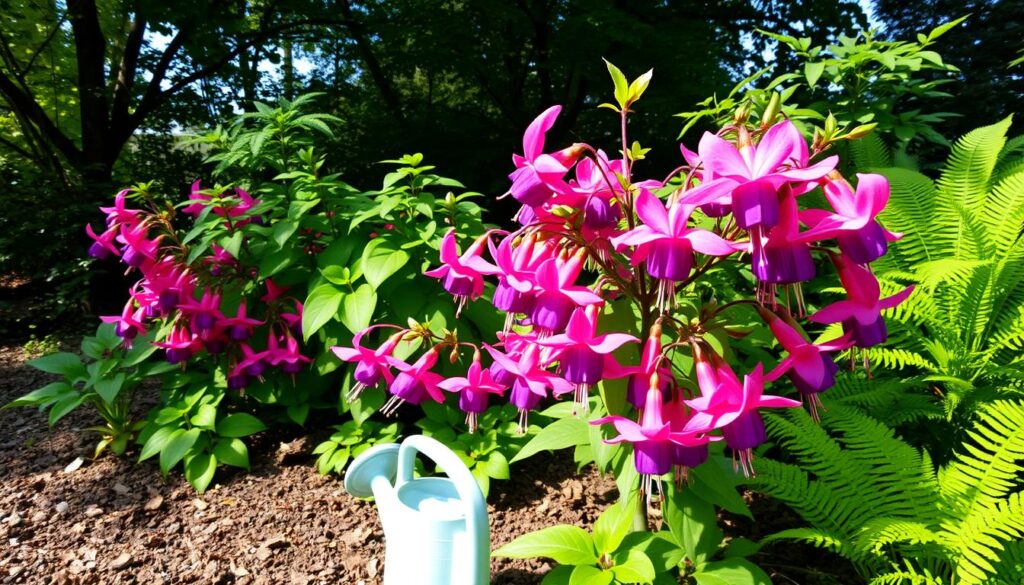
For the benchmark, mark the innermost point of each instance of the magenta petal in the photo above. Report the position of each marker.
(834, 313)
(611, 341)
(777, 144)
(652, 212)
(533, 138)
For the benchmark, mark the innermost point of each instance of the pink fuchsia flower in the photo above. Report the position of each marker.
(556, 296)
(205, 312)
(220, 259)
(274, 291)
(861, 312)
(167, 282)
(783, 255)
(293, 320)
(474, 389)
(582, 354)
(229, 206)
(515, 267)
(119, 215)
(538, 175)
(530, 381)
(853, 223)
(372, 365)
(689, 449)
(650, 360)
(241, 325)
(138, 250)
(103, 245)
(180, 345)
(128, 323)
(414, 383)
(753, 174)
(652, 444)
(733, 407)
(288, 358)
(665, 243)
(252, 365)
(462, 276)
(809, 366)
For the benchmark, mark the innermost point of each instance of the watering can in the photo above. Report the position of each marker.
(435, 528)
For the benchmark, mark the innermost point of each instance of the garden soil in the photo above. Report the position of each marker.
(68, 519)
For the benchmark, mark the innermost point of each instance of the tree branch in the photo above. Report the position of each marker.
(129, 64)
(21, 151)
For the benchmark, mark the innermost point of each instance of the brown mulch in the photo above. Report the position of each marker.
(116, 521)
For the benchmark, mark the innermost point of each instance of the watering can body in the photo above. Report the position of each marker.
(435, 529)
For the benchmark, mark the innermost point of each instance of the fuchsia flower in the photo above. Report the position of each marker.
(414, 383)
(103, 244)
(665, 243)
(853, 223)
(119, 214)
(689, 449)
(252, 365)
(727, 404)
(205, 312)
(515, 268)
(582, 354)
(754, 174)
(129, 323)
(556, 296)
(371, 365)
(240, 326)
(180, 345)
(474, 390)
(229, 206)
(861, 312)
(639, 377)
(138, 250)
(809, 366)
(784, 256)
(463, 276)
(289, 358)
(529, 380)
(538, 175)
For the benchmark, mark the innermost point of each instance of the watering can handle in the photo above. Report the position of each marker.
(476, 509)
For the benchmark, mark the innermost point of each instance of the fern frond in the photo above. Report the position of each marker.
(983, 536)
(895, 358)
(871, 152)
(911, 210)
(965, 178)
(813, 536)
(988, 466)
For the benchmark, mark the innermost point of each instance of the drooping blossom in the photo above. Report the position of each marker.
(462, 276)
(288, 358)
(414, 383)
(474, 390)
(372, 365)
(539, 175)
(129, 323)
(530, 381)
(241, 325)
(853, 223)
(861, 312)
(180, 345)
(556, 295)
(103, 244)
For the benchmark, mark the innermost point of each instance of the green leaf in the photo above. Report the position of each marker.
(109, 388)
(239, 425)
(614, 524)
(639, 85)
(567, 545)
(944, 28)
(199, 471)
(562, 433)
(813, 71)
(64, 406)
(731, 572)
(205, 417)
(232, 244)
(497, 465)
(232, 452)
(298, 413)
(63, 363)
(693, 523)
(558, 576)
(717, 487)
(284, 230)
(156, 442)
(637, 569)
(320, 307)
(381, 259)
(357, 308)
(180, 443)
(621, 85)
(590, 575)
(41, 395)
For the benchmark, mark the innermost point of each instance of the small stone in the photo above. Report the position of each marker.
(263, 553)
(121, 489)
(38, 517)
(13, 520)
(120, 562)
(200, 504)
(372, 568)
(61, 507)
(275, 542)
(154, 503)
(238, 570)
(93, 511)
(74, 465)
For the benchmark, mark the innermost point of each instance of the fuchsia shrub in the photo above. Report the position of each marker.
(590, 231)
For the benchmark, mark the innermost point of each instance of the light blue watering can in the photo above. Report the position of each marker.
(435, 528)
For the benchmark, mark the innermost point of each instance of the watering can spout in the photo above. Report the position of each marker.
(435, 529)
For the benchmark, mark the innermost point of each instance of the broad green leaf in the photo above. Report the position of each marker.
(156, 442)
(558, 576)
(621, 85)
(40, 395)
(180, 443)
(63, 363)
(357, 308)
(64, 406)
(381, 258)
(731, 572)
(109, 388)
(614, 524)
(497, 465)
(567, 545)
(199, 471)
(715, 486)
(239, 425)
(637, 569)
(205, 417)
(639, 85)
(813, 72)
(693, 523)
(590, 575)
(232, 452)
(562, 433)
(320, 307)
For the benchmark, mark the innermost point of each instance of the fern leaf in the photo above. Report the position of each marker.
(983, 536)
(912, 211)
(965, 178)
